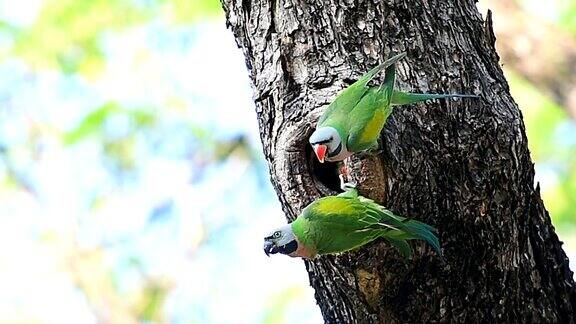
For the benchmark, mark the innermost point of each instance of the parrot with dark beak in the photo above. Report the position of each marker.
(336, 224)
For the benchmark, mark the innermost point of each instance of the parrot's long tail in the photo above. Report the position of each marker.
(406, 98)
(422, 231)
(400, 229)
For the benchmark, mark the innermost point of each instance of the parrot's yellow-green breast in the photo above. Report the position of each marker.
(371, 132)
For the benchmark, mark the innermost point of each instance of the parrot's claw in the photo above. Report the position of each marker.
(349, 185)
(344, 170)
(345, 186)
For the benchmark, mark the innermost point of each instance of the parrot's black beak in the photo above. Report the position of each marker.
(270, 248)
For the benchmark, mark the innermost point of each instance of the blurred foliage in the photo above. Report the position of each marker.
(279, 303)
(541, 115)
(552, 142)
(94, 123)
(119, 147)
(67, 35)
(567, 19)
(187, 11)
(152, 301)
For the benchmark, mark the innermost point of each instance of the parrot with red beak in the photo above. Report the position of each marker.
(353, 121)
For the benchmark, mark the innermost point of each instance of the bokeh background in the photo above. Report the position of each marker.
(132, 184)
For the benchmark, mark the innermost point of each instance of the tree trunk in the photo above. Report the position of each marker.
(462, 166)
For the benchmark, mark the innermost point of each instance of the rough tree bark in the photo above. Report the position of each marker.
(463, 166)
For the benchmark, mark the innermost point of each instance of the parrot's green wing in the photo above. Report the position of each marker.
(338, 110)
(406, 98)
(402, 246)
(410, 228)
(337, 224)
(368, 117)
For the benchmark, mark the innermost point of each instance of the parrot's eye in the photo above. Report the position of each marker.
(277, 234)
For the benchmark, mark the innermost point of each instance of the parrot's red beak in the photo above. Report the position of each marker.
(320, 151)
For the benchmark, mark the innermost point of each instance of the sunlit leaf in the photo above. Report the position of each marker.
(548, 146)
(541, 116)
(92, 124)
(67, 33)
(279, 303)
(186, 11)
(152, 301)
(568, 15)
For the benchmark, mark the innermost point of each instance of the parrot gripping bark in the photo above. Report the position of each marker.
(353, 122)
(336, 224)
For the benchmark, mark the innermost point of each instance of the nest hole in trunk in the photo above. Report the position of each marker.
(325, 174)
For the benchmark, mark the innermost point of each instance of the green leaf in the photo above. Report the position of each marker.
(541, 116)
(91, 125)
(67, 33)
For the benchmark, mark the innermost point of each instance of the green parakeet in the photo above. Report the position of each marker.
(337, 224)
(353, 121)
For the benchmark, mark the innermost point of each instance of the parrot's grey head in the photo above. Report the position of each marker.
(326, 143)
(282, 241)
